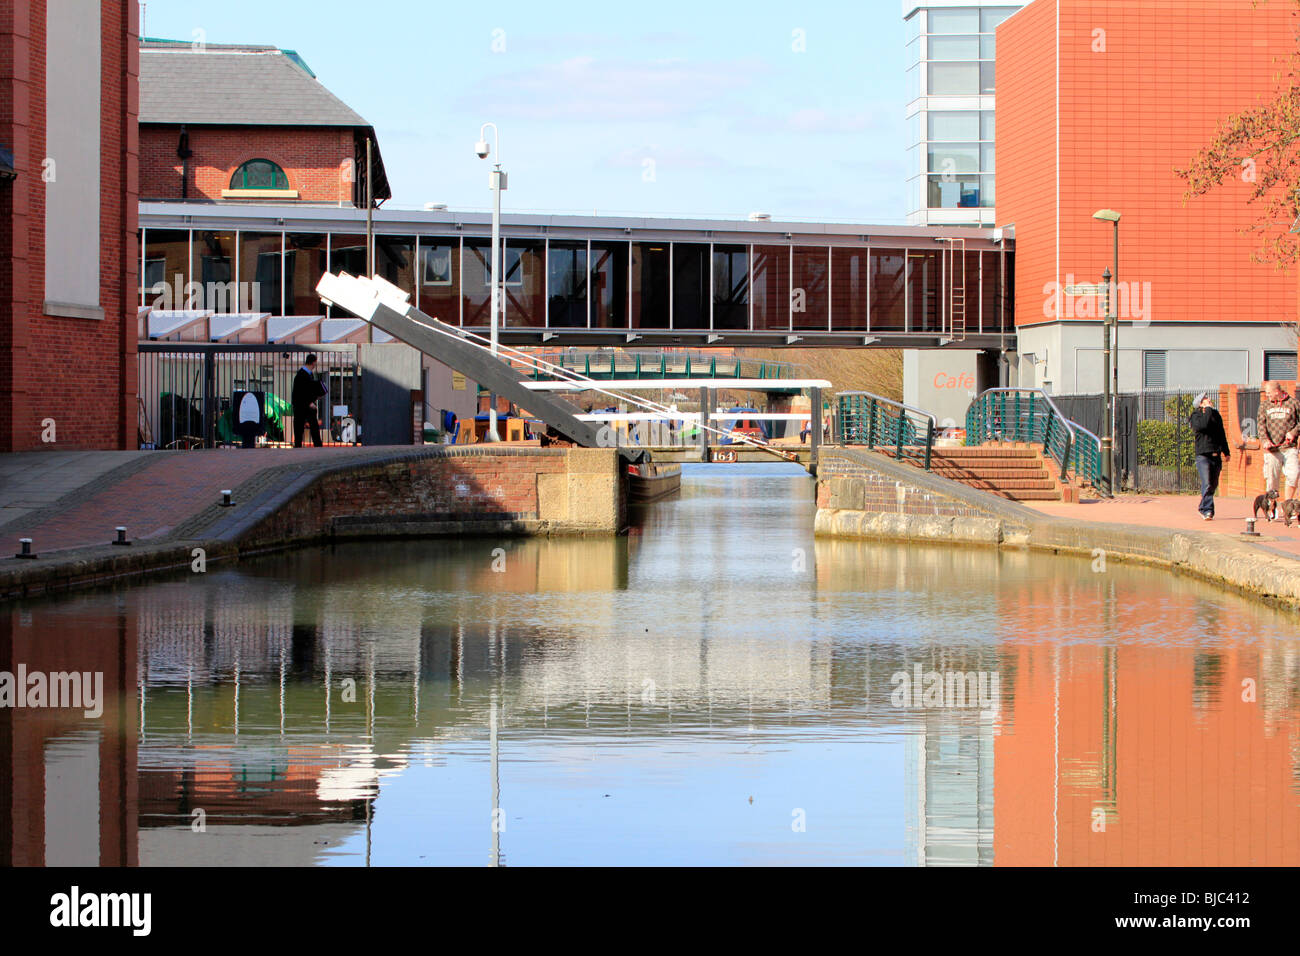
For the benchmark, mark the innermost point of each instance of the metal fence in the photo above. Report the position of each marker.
(186, 392)
(1155, 447)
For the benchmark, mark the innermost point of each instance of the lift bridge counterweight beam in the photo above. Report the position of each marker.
(388, 308)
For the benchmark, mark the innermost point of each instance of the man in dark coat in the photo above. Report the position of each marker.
(1211, 442)
(306, 392)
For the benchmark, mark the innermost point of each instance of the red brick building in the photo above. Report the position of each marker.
(68, 205)
(1098, 103)
(245, 123)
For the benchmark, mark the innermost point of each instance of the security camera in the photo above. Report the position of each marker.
(482, 149)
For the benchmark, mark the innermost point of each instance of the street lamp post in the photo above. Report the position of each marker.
(1112, 319)
(1108, 410)
(496, 182)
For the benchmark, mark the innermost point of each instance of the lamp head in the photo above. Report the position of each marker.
(1106, 215)
(482, 149)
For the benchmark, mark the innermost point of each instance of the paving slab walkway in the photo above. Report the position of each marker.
(65, 500)
(1178, 513)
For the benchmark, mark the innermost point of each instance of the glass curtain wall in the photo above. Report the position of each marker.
(810, 294)
(305, 262)
(566, 285)
(523, 275)
(166, 268)
(888, 290)
(650, 285)
(924, 289)
(395, 261)
(259, 273)
(440, 278)
(996, 292)
(690, 285)
(771, 287)
(850, 270)
(476, 281)
(601, 284)
(609, 285)
(730, 287)
(214, 268)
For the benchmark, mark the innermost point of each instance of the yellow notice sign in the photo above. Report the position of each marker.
(458, 381)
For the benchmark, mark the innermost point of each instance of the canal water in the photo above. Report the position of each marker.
(717, 687)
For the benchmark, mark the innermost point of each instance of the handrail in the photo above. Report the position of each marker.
(889, 401)
(1074, 447)
(901, 423)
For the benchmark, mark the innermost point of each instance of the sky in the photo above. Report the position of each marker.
(668, 108)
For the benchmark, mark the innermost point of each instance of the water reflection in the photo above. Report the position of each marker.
(715, 687)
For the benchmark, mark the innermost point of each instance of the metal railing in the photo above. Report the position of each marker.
(862, 418)
(1029, 415)
(661, 363)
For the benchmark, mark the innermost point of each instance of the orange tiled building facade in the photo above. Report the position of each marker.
(1099, 101)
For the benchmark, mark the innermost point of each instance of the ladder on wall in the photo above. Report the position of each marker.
(957, 289)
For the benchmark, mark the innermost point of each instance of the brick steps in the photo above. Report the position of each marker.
(1053, 495)
(984, 451)
(1014, 484)
(987, 468)
(1018, 473)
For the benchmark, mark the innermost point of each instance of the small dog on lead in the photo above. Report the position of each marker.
(1268, 503)
(1290, 509)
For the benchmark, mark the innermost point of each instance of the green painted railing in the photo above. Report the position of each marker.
(665, 363)
(1029, 415)
(862, 418)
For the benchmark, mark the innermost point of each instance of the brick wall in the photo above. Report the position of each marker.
(1243, 476)
(570, 489)
(316, 160)
(78, 372)
(868, 482)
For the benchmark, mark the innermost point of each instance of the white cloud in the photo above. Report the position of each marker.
(586, 89)
(665, 158)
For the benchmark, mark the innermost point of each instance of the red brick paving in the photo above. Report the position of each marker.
(1177, 512)
(160, 496)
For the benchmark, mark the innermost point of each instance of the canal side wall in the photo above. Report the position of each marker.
(866, 495)
(461, 491)
(407, 492)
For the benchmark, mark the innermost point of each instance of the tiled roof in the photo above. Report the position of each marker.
(238, 85)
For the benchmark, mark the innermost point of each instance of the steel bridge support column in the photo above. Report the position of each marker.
(706, 406)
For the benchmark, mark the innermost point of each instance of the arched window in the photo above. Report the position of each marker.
(259, 174)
